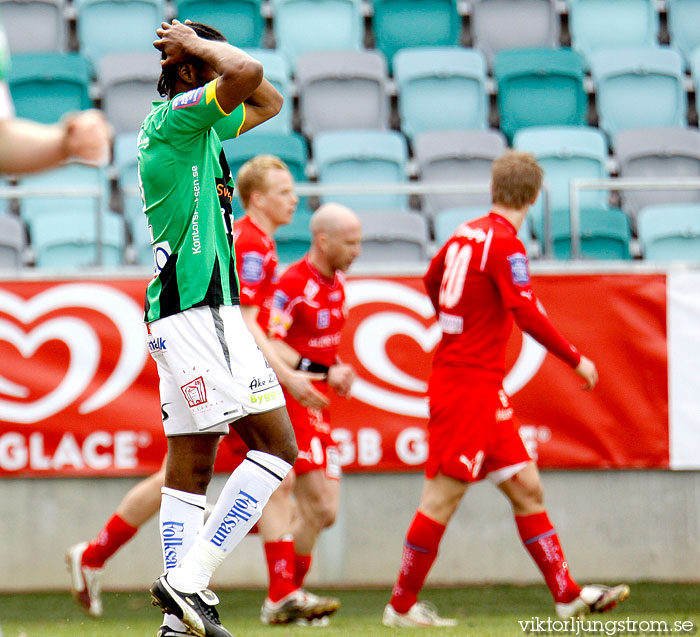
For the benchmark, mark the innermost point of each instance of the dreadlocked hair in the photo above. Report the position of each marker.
(169, 75)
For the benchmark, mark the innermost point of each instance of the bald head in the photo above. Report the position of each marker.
(336, 235)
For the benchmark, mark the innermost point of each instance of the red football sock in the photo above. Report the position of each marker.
(540, 539)
(109, 540)
(302, 564)
(419, 552)
(280, 568)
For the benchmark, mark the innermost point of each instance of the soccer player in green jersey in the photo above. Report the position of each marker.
(212, 373)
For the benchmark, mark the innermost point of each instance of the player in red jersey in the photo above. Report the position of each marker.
(478, 283)
(308, 313)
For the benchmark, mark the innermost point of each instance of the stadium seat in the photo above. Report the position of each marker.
(111, 26)
(393, 237)
(683, 21)
(126, 167)
(639, 88)
(69, 239)
(657, 152)
(46, 86)
(695, 74)
(670, 233)
(513, 24)
(300, 26)
(399, 24)
(127, 84)
(45, 20)
(539, 87)
(291, 149)
(362, 157)
(447, 221)
(240, 21)
(342, 89)
(605, 234)
(12, 242)
(294, 239)
(440, 88)
(456, 156)
(606, 24)
(276, 69)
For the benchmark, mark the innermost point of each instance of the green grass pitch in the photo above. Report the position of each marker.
(491, 611)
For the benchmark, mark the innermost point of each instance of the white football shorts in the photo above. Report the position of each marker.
(211, 370)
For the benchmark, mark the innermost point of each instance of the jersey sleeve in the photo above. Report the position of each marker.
(510, 270)
(229, 127)
(432, 280)
(198, 110)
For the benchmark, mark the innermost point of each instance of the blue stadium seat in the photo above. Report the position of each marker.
(456, 156)
(276, 69)
(539, 87)
(683, 21)
(670, 233)
(46, 86)
(448, 220)
(605, 234)
(300, 26)
(608, 24)
(294, 239)
(400, 24)
(44, 21)
(513, 24)
(393, 237)
(639, 88)
(240, 21)
(126, 167)
(440, 88)
(342, 90)
(291, 149)
(565, 153)
(357, 157)
(111, 26)
(69, 239)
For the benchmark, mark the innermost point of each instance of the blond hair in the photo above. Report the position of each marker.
(516, 179)
(252, 175)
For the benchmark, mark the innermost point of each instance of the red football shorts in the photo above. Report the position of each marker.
(472, 431)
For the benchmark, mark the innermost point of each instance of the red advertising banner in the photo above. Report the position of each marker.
(79, 392)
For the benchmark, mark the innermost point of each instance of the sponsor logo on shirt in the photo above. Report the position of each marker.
(328, 340)
(279, 299)
(475, 234)
(195, 392)
(311, 289)
(252, 267)
(519, 271)
(323, 319)
(188, 99)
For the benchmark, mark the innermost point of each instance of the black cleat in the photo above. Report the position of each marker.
(166, 631)
(195, 610)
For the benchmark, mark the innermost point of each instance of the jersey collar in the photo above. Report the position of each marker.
(502, 220)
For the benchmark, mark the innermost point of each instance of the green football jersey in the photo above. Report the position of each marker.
(186, 188)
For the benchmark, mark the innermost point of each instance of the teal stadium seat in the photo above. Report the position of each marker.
(513, 24)
(362, 157)
(69, 239)
(46, 86)
(117, 26)
(291, 149)
(604, 232)
(277, 72)
(399, 24)
(440, 88)
(670, 233)
(608, 24)
(300, 26)
(639, 88)
(393, 237)
(539, 87)
(43, 20)
(695, 73)
(684, 26)
(294, 239)
(240, 21)
(565, 153)
(448, 220)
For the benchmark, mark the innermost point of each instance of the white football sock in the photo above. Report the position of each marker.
(236, 511)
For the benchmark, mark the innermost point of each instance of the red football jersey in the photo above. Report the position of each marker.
(478, 282)
(308, 312)
(256, 264)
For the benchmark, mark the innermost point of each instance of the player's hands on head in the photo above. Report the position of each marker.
(587, 370)
(341, 377)
(86, 136)
(174, 41)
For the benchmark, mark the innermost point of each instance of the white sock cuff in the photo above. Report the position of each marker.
(271, 464)
(195, 499)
